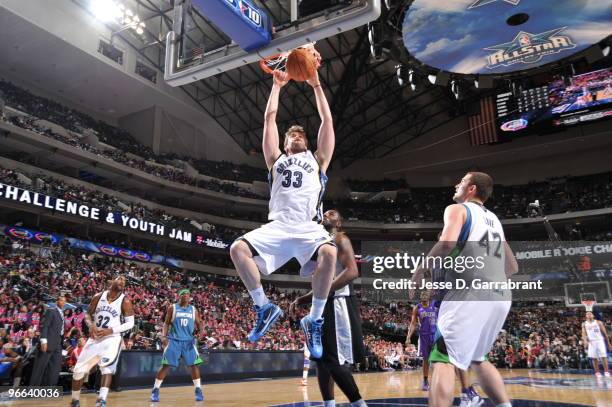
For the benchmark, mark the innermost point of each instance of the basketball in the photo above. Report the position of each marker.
(301, 64)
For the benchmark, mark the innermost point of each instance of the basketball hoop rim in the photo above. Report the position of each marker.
(588, 304)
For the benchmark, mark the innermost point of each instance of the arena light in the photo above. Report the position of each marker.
(458, 90)
(111, 11)
(415, 80)
(105, 10)
(441, 78)
(399, 71)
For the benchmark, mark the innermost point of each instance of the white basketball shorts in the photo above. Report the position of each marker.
(276, 243)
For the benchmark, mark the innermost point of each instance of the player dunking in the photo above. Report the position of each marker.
(342, 337)
(297, 184)
(467, 328)
(594, 334)
(177, 337)
(105, 342)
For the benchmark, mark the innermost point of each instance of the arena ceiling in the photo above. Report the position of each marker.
(373, 115)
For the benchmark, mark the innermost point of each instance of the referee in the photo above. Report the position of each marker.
(48, 362)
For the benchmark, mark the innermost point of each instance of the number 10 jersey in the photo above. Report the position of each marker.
(297, 185)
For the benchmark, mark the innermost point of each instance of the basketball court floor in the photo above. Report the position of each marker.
(527, 388)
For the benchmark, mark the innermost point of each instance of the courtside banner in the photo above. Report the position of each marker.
(39, 237)
(93, 213)
(32, 235)
(484, 270)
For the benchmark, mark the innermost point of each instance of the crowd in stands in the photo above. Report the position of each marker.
(543, 335)
(546, 336)
(567, 194)
(560, 195)
(383, 354)
(127, 150)
(31, 276)
(158, 169)
(57, 188)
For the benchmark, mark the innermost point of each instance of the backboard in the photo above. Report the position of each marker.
(198, 48)
(598, 291)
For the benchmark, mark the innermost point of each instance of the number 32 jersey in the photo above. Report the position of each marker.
(297, 186)
(108, 314)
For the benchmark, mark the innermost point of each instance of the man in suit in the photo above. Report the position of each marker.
(49, 357)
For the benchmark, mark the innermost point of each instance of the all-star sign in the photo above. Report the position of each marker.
(527, 48)
(474, 37)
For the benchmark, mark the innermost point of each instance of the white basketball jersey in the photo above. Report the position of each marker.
(593, 331)
(297, 186)
(108, 315)
(484, 236)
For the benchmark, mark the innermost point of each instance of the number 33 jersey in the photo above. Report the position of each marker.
(297, 185)
(108, 314)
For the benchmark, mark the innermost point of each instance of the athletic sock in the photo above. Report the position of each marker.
(76, 394)
(196, 383)
(103, 393)
(259, 297)
(17, 382)
(305, 374)
(318, 305)
(508, 404)
(359, 403)
(329, 403)
(158, 383)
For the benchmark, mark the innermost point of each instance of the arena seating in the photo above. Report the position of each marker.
(559, 195)
(41, 108)
(535, 335)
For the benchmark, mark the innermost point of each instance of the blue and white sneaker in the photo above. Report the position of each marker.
(155, 395)
(266, 316)
(198, 394)
(100, 403)
(313, 332)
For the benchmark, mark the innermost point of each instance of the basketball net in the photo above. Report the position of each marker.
(588, 304)
(277, 62)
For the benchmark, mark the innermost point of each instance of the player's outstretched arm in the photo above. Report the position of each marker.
(413, 322)
(326, 140)
(166, 325)
(604, 332)
(585, 338)
(270, 142)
